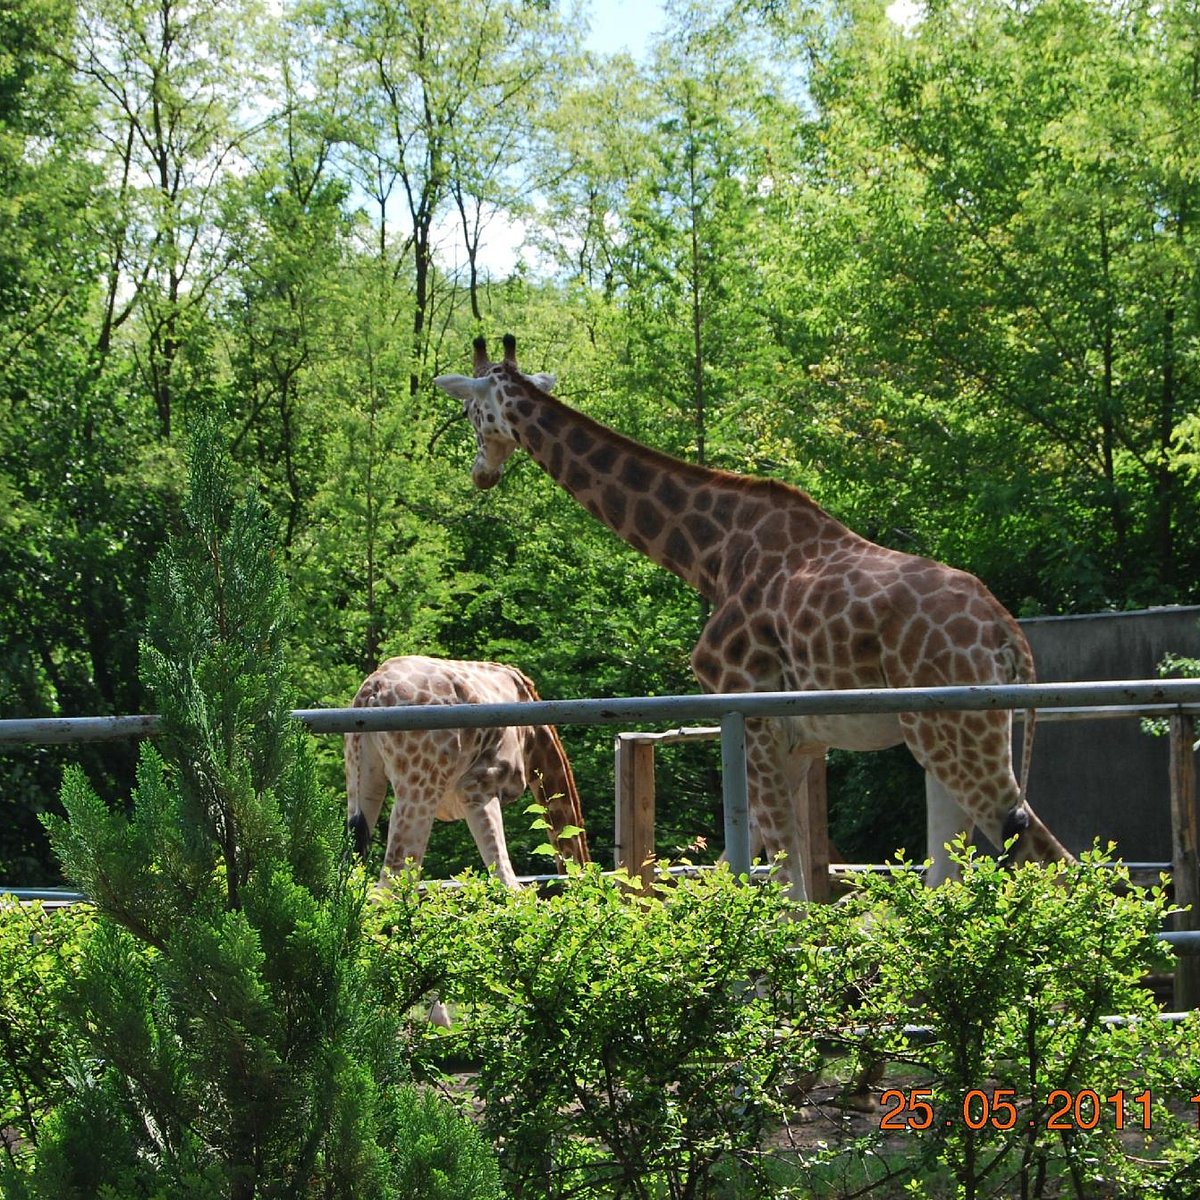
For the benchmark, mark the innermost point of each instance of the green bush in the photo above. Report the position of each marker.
(224, 1037)
(646, 1045)
(630, 1044)
(39, 952)
(1012, 972)
(439, 1154)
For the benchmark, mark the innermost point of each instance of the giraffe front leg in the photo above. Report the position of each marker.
(487, 828)
(777, 778)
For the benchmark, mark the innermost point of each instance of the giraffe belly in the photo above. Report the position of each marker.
(873, 731)
(452, 807)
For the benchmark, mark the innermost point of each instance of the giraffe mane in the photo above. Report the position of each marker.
(735, 480)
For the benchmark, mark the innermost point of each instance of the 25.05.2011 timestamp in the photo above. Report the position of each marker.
(1064, 1111)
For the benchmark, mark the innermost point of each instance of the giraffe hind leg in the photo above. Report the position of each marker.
(944, 821)
(968, 758)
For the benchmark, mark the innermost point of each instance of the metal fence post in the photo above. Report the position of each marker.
(734, 793)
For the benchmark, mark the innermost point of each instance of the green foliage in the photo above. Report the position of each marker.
(221, 1010)
(876, 805)
(441, 1155)
(943, 275)
(39, 953)
(1012, 971)
(993, 157)
(1173, 666)
(631, 1045)
(639, 1044)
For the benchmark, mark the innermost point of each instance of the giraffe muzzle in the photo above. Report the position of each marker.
(484, 477)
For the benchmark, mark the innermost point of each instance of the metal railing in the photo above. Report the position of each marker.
(1178, 699)
(1163, 697)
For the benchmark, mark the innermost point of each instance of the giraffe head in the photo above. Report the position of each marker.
(483, 398)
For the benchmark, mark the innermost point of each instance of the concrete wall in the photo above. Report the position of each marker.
(1105, 778)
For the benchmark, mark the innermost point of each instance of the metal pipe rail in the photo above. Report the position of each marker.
(1161, 697)
(1177, 699)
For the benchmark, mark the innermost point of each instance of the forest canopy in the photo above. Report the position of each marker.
(942, 273)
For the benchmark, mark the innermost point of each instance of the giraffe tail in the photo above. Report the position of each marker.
(563, 806)
(1015, 825)
(1024, 672)
(360, 831)
(1027, 752)
(1018, 658)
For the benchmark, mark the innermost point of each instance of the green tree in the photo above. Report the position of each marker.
(283, 318)
(175, 82)
(441, 95)
(224, 996)
(81, 504)
(1010, 274)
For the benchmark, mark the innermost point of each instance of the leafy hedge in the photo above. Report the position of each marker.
(627, 1044)
(614, 1042)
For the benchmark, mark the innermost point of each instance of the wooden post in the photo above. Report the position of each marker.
(635, 805)
(816, 850)
(1186, 853)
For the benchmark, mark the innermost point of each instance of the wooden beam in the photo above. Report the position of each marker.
(1186, 853)
(635, 814)
(816, 832)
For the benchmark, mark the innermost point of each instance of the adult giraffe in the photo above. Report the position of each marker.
(455, 774)
(798, 602)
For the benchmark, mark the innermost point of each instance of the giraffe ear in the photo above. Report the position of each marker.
(462, 387)
(543, 381)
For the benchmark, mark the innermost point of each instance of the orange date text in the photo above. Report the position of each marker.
(998, 1108)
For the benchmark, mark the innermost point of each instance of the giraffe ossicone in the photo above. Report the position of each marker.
(798, 602)
(455, 774)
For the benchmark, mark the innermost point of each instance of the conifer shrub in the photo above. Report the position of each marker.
(220, 1029)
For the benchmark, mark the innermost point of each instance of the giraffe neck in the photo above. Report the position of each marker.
(711, 528)
(550, 771)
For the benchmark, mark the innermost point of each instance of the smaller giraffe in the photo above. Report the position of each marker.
(455, 774)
